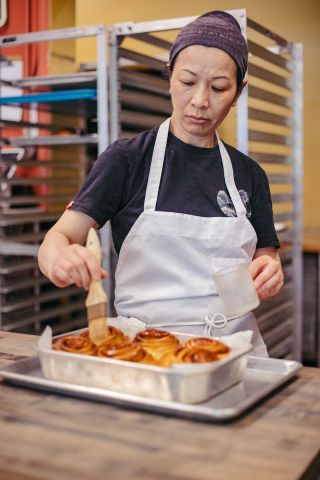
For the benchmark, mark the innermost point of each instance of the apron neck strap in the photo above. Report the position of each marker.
(229, 179)
(156, 170)
(159, 151)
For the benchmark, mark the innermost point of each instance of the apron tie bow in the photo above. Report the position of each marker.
(218, 320)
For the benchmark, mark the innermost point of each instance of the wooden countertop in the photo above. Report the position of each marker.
(46, 436)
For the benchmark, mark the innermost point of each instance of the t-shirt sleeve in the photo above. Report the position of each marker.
(101, 192)
(262, 214)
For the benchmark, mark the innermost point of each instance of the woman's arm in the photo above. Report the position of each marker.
(266, 272)
(62, 256)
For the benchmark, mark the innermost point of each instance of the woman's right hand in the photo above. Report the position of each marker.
(75, 264)
(62, 256)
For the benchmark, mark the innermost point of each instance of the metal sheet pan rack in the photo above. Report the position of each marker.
(269, 128)
(30, 203)
(272, 111)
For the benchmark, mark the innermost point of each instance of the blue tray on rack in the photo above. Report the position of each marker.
(56, 96)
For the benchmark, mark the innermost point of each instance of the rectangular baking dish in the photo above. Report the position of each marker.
(185, 383)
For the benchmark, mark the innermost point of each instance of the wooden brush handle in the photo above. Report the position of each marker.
(93, 244)
(96, 291)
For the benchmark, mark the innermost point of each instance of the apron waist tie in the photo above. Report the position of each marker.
(217, 320)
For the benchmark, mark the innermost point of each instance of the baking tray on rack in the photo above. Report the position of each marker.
(262, 376)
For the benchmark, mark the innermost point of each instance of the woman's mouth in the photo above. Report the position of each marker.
(197, 120)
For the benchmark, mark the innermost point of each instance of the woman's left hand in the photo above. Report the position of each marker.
(266, 272)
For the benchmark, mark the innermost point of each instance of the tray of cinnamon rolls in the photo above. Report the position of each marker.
(146, 362)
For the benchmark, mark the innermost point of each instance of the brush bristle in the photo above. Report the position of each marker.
(98, 330)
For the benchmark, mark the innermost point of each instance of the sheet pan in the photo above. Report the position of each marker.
(261, 377)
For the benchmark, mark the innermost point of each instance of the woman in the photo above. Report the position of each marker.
(179, 200)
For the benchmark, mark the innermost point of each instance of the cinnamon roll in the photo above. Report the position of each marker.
(184, 354)
(211, 344)
(114, 336)
(74, 344)
(129, 351)
(157, 342)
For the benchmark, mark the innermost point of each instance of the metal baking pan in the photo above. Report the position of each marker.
(186, 383)
(261, 377)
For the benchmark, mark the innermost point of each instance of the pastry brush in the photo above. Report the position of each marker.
(97, 300)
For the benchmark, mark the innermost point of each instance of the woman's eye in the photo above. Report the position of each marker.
(215, 89)
(188, 84)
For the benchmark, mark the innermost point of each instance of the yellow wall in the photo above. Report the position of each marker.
(295, 20)
(62, 52)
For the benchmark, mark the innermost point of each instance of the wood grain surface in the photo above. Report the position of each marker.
(47, 436)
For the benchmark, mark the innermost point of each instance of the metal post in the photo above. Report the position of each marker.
(242, 105)
(102, 92)
(103, 142)
(242, 123)
(297, 61)
(113, 85)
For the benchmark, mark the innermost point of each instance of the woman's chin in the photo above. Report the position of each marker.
(201, 131)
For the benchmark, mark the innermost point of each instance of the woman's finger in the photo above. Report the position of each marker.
(74, 273)
(76, 264)
(60, 277)
(271, 287)
(68, 270)
(80, 271)
(268, 271)
(92, 265)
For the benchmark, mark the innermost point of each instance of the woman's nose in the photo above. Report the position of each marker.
(200, 98)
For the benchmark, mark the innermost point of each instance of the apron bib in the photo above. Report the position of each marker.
(164, 272)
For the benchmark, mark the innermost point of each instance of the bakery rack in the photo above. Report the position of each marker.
(77, 112)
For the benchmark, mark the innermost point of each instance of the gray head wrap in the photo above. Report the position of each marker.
(214, 29)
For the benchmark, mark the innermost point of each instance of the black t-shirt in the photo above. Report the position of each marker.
(192, 182)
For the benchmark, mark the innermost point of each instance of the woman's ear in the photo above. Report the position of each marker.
(168, 74)
(238, 93)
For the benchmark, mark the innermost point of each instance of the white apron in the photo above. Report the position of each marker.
(164, 273)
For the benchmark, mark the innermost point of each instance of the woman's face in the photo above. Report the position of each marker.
(203, 88)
